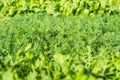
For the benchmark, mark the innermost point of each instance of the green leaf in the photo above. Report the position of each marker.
(28, 46)
(8, 75)
(32, 76)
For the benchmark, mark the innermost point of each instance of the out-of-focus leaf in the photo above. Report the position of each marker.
(8, 75)
(32, 76)
(28, 46)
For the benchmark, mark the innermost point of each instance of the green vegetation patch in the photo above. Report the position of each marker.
(44, 47)
(56, 7)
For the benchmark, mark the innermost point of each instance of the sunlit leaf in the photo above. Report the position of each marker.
(32, 76)
(28, 46)
(8, 75)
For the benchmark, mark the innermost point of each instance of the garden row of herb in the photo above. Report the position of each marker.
(45, 47)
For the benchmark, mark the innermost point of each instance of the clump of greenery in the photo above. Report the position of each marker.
(39, 46)
(57, 7)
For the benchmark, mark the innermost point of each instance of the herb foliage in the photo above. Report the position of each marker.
(45, 47)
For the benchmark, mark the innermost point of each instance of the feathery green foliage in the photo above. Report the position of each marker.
(43, 47)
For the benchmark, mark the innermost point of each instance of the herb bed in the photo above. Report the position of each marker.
(44, 47)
